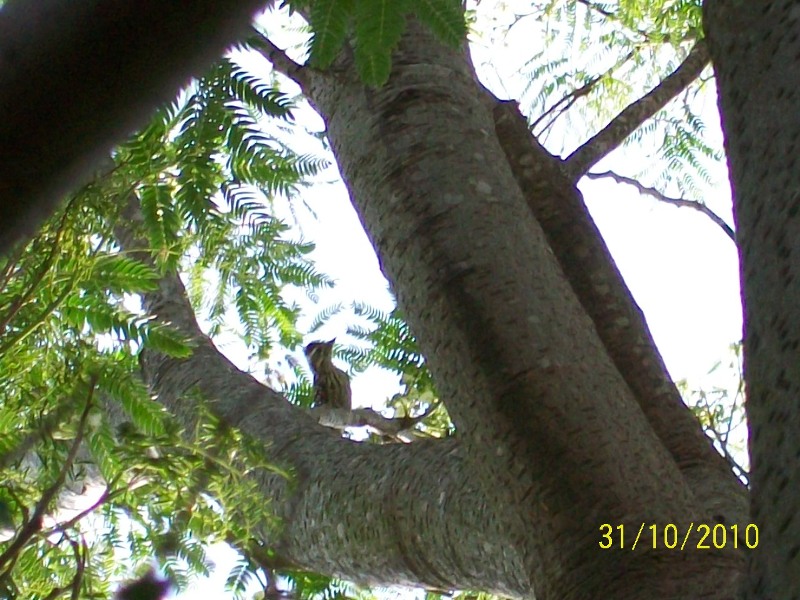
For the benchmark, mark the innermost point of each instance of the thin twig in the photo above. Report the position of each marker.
(567, 101)
(44, 267)
(279, 59)
(34, 524)
(654, 193)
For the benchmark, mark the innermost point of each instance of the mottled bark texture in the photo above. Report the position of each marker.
(555, 435)
(566, 418)
(550, 427)
(76, 77)
(587, 263)
(755, 47)
(392, 514)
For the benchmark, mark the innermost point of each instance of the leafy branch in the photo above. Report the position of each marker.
(570, 99)
(34, 523)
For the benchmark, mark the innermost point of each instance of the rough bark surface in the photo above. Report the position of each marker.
(756, 51)
(575, 240)
(351, 510)
(550, 427)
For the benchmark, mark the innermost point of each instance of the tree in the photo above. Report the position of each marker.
(566, 418)
(760, 120)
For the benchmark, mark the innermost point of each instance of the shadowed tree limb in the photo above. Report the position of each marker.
(755, 48)
(681, 202)
(632, 117)
(76, 77)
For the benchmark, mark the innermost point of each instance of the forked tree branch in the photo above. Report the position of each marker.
(632, 117)
(336, 483)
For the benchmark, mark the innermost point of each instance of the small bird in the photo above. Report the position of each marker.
(331, 385)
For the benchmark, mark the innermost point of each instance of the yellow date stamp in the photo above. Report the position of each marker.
(693, 537)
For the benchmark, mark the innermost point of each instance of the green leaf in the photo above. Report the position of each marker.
(329, 20)
(444, 17)
(374, 66)
(119, 274)
(379, 24)
(168, 340)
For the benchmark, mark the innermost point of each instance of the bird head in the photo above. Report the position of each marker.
(319, 352)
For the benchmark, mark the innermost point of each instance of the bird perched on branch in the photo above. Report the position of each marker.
(331, 385)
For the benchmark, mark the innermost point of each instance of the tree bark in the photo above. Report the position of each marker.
(550, 427)
(756, 51)
(566, 418)
(575, 240)
(374, 514)
(563, 411)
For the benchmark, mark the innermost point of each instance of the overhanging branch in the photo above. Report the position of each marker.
(76, 77)
(680, 202)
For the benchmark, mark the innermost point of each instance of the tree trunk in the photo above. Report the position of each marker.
(756, 52)
(550, 427)
(566, 419)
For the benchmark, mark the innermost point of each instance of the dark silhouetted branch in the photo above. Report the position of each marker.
(77, 76)
(654, 193)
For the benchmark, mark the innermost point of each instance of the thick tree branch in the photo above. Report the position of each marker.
(680, 202)
(755, 47)
(632, 117)
(587, 263)
(548, 424)
(76, 77)
(375, 514)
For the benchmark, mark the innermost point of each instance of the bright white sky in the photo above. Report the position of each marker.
(680, 267)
